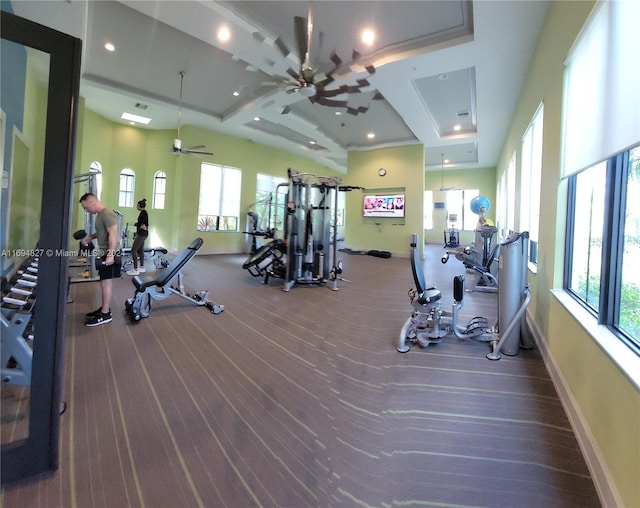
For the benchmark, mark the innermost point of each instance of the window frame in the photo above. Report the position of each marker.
(125, 196)
(160, 175)
(531, 182)
(219, 220)
(615, 192)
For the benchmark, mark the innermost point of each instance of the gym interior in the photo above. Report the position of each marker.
(334, 374)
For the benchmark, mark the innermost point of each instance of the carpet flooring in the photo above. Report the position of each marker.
(299, 399)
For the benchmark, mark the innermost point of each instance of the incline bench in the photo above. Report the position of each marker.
(148, 289)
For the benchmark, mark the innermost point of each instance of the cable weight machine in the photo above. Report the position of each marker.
(311, 253)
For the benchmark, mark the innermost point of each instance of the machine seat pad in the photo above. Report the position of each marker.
(170, 271)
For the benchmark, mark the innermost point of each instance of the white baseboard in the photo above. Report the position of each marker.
(602, 479)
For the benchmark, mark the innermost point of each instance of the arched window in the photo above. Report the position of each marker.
(127, 187)
(159, 189)
(95, 168)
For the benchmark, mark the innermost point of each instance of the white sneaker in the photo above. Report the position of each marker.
(141, 269)
(132, 272)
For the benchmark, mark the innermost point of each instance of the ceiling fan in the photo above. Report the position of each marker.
(309, 82)
(177, 142)
(442, 187)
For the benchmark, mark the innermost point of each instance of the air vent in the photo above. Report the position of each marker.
(139, 105)
(462, 114)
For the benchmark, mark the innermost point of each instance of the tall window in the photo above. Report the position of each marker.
(459, 204)
(531, 174)
(428, 210)
(601, 122)
(266, 201)
(127, 187)
(159, 190)
(219, 206)
(511, 195)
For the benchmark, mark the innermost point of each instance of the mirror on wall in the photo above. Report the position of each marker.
(24, 107)
(39, 88)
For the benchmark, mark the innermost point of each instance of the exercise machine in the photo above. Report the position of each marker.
(268, 261)
(452, 233)
(18, 304)
(480, 258)
(429, 323)
(83, 267)
(514, 297)
(307, 254)
(148, 289)
(480, 255)
(157, 255)
(259, 226)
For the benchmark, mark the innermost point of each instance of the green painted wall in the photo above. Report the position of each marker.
(146, 152)
(607, 402)
(405, 173)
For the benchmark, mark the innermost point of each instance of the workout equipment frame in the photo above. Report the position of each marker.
(148, 289)
(479, 257)
(429, 323)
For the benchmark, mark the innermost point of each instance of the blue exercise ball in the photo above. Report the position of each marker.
(480, 205)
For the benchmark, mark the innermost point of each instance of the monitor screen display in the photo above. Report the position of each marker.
(383, 205)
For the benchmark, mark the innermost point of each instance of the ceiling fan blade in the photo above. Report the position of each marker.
(363, 82)
(352, 89)
(279, 43)
(332, 93)
(286, 110)
(378, 96)
(197, 152)
(295, 75)
(330, 102)
(326, 81)
(352, 111)
(196, 147)
(370, 69)
(355, 55)
(335, 59)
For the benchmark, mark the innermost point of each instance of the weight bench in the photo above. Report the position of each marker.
(155, 254)
(148, 289)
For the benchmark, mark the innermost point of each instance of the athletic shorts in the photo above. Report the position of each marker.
(110, 271)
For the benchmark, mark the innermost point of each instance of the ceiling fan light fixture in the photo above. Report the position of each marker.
(308, 90)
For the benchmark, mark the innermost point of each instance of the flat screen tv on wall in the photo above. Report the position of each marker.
(383, 205)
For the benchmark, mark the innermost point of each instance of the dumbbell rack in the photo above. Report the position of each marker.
(17, 325)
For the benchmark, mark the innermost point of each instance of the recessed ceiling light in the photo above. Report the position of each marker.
(312, 142)
(224, 34)
(368, 37)
(443, 77)
(109, 47)
(456, 127)
(236, 93)
(256, 118)
(135, 118)
(338, 113)
(371, 135)
(446, 161)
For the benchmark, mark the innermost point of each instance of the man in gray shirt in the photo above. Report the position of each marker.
(108, 256)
